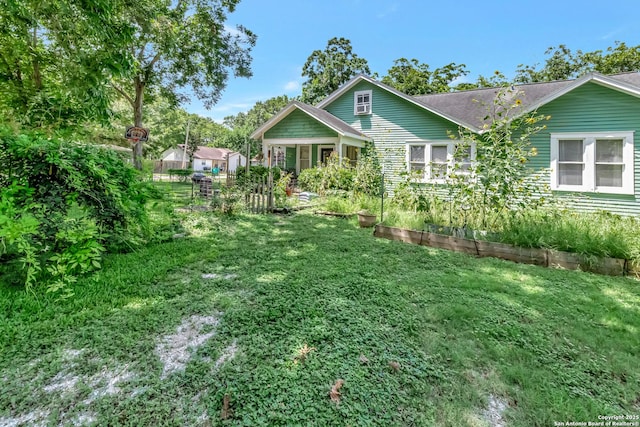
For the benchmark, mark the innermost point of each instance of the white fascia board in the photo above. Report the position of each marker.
(358, 137)
(299, 141)
(347, 140)
(396, 92)
(591, 77)
(259, 133)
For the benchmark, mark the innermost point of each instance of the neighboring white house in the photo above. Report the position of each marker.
(206, 158)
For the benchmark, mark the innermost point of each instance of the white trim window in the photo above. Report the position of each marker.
(279, 158)
(434, 161)
(362, 102)
(595, 162)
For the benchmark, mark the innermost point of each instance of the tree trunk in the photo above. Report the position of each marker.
(37, 77)
(137, 121)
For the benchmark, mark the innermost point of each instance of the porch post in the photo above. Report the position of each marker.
(340, 150)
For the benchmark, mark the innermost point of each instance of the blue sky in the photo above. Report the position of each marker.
(485, 35)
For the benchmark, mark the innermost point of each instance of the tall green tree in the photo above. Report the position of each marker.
(258, 114)
(413, 78)
(182, 44)
(55, 61)
(244, 123)
(326, 70)
(563, 63)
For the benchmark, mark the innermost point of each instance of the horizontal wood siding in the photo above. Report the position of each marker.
(299, 125)
(393, 122)
(591, 108)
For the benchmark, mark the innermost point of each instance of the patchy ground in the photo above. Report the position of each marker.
(72, 383)
(175, 350)
(323, 325)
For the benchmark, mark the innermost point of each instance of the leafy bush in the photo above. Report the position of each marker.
(310, 179)
(498, 182)
(368, 175)
(342, 205)
(334, 175)
(280, 187)
(62, 204)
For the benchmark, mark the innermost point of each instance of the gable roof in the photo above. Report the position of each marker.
(471, 105)
(468, 108)
(324, 117)
(210, 153)
(413, 100)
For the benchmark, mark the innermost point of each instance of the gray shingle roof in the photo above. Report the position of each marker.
(329, 119)
(471, 106)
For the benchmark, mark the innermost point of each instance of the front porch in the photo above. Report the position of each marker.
(296, 155)
(301, 136)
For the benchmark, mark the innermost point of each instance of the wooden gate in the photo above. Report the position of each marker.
(259, 195)
(258, 191)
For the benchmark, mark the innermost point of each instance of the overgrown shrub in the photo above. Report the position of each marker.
(280, 187)
(63, 204)
(310, 179)
(368, 174)
(498, 181)
(333, 175)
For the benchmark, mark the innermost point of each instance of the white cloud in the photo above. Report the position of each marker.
(234, 106)
(292, 86)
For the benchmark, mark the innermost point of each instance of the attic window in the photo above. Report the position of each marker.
(362, 102)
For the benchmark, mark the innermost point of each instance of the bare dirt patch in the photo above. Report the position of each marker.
(65, 380)
(227, 354)
(175, 350)
(493, 413)
(219, 276)
(34, 418)
(106, 382)
(68, 382)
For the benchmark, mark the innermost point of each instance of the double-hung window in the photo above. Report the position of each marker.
(592, 162)
(433, 161)
(362, 102)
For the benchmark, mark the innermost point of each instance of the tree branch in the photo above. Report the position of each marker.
(148, 69)
(124, 94)
(140, 54)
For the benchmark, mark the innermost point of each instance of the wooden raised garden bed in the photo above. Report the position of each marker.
(336, 214)
(535, 256)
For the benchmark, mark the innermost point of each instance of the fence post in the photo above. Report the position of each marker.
(382, 198)
(270, 191)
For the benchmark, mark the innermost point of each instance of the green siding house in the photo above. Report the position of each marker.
(589, 153)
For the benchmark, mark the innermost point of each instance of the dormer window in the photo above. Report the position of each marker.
(362, 102)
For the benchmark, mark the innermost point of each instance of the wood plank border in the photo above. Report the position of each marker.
(535, 256)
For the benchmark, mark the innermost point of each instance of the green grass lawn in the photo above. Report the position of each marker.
(288, 306)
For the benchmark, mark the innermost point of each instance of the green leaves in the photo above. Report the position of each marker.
(496, 184)
(563, 63)
(326, 70)
(413, 78)
(62, 203)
